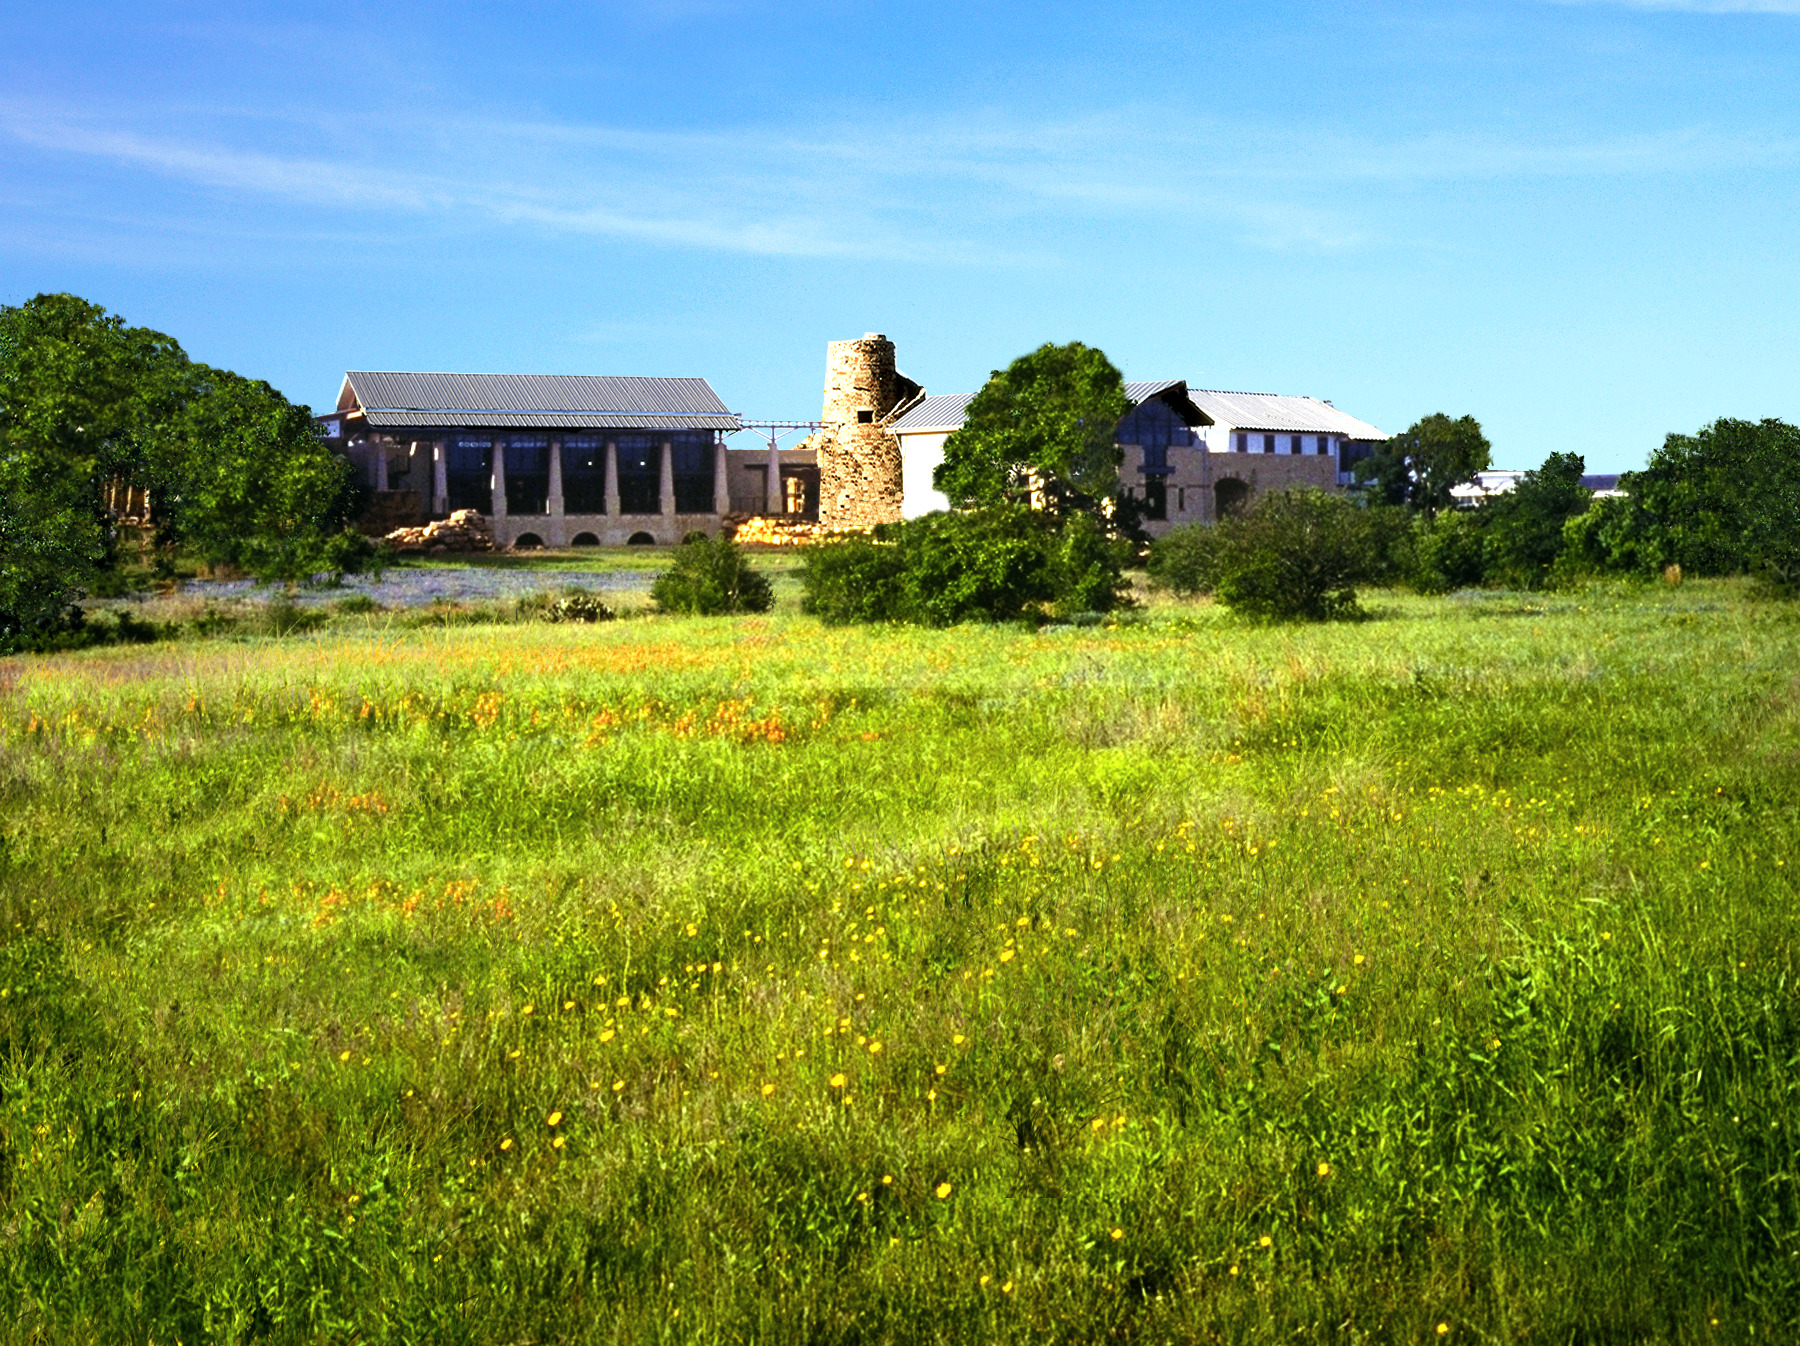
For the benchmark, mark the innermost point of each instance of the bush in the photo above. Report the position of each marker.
(711, 577)
(1295, 555)
(578, 605)
(1185, 560)
(997, 564)
(1448, 552)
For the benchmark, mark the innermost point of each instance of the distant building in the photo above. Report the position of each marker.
(1501, 480)
(552, 459)
(1190, 455)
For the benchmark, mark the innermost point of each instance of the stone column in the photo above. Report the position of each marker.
(721, 478)
(612, 479)
(666, 485)
(498, 480)
(440, 479)
(774, 500)
(861, 478)
(381, 477)
(556, 490)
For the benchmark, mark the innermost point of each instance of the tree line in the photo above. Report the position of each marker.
(238, 476)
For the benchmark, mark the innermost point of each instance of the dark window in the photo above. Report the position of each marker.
(527, 475)
(1156, 460)
(584, 475)
(1231, 495)
(865, 418)
(1268, 443)
(1298, 448)
(469, 473)
(1243, 443)
(693, 465)
(1181, 500)
(1324, 444)
(640, 475)
(1156, 498)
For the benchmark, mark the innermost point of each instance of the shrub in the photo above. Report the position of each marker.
(711, 577)
(997, 564)
(578, 605)
(1448, 552)
(356, 605)
(856, 578)
(1184, 560)
(1295, 555)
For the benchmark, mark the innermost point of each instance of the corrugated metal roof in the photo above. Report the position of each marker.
(547, 420)
(1273, 411)
(557, 400)
(946, 411)
(943, 412)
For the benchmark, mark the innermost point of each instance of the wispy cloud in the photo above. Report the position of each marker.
(978, 189)
(1700, 6)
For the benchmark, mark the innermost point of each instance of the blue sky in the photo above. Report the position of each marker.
(1577, 221)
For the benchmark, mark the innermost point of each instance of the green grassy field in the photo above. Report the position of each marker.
(1431, 977)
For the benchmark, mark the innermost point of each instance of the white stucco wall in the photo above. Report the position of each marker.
(920, 453)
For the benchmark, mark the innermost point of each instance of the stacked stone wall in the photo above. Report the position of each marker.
(859, 459)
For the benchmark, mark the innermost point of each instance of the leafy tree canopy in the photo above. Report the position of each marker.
(1041, 428)
(1419, 467)
(1525, 525)
(235, 471)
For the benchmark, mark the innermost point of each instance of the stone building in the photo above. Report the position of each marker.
(860, 476)
(552, 460)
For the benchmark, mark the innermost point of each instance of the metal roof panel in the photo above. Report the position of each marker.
(1273, 411)
(389, 391)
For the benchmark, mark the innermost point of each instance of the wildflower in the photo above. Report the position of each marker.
(984, 1280)
(941, 1067)
(887, 1179)
(607, 1035)
(1358, 960)
(837, 1080)
(957, 1039)
(1443, 1329)
(1265, 1242)
(553, 1119)
(767, 1089)
(528, 1009)
(1118, 1234)
(618, 1085)
(345, 1056)
(942, 1191)
(1006, 955)
(1007, 1288)
(1234, 1268)
(506, 1144)
(874, 1049)
(1324, 1169)
(557, 1144)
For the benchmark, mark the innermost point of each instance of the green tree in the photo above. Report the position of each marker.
(1719, 502)
(81, 396)
(1419, 467)
(1040, 431)
(1524, 526)
(710, 578)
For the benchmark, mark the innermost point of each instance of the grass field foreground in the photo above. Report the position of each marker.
(1431, 977)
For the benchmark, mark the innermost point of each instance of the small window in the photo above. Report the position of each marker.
(1181, 500)
(1298, 446)
(1268, 443)
(1243, 443)
(865, 418)
(1324, 445)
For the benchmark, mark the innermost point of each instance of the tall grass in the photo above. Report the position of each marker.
(751, 980)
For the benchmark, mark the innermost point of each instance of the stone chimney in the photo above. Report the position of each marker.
(859, 460)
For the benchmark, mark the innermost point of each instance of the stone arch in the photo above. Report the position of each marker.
(1230, 496)
(640, 540)
(528, 542)
(585, 540)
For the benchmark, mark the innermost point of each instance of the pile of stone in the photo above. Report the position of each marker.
(762, 530)
(464, 530)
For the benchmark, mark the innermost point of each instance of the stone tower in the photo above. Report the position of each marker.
(859, 460)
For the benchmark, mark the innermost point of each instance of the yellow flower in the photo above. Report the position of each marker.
(887, 1179)
(874, 1048)
(557, 1144)
(943, 1191)
(984, 1280)
(506, 1144)
(837, 1080)
(1234, 1268)
(768, 1089)
(1358, 960)
(941, 1068)
(345, 1056)
(1324, 1169)
(957, 1039)
(1118, 1233)
(553, 1119)
(1006, 955)
(1265, 1242)
(607, 1035)
(1007, 1288)
(527, 1009)
(1443, 1329)
(618, 1085)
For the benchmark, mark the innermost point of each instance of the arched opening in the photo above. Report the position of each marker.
(528, 542)
(1231, 494)
(585, 540)
(640, 540)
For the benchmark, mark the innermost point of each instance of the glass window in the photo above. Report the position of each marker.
(693, 468)
(469, 473)
(584, 474)
(640, 475)
(1268, 443)
(1243, 443)
(527, 474)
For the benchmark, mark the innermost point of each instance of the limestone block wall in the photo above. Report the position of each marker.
(860, 475)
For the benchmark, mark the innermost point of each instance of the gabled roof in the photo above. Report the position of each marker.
(555, 401)
(947, 410)
(1272, 411)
